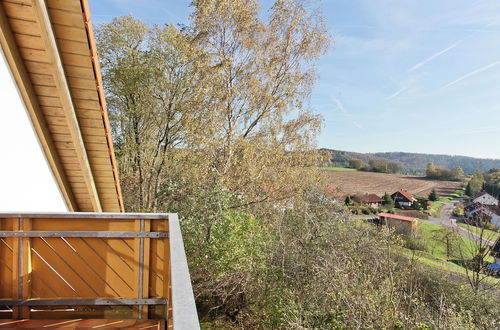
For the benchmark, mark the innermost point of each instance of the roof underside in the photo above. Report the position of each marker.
(51, 51)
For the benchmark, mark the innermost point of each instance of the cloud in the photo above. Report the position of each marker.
(472, 73)
(430, 58)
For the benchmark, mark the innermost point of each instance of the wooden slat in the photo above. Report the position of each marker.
(50, 91)
(73, 47)
(77, 323)
(84, 94)
(34, 55)
(87, 139)
(27, 41)
(63, 17)
(70, 33)
(24, 27)
(91, 131)
(109, 271)
(19, 11)
(49, 101)
(54, 288)
(67, 5)
(71, 71)
(42, 79)
(92, 123)
(77, 60)
(87, 104)
(81, 113)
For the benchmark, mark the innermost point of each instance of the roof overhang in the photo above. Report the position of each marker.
(50, 48)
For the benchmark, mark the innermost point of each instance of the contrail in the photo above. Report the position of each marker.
(401, 90)
(424, 62)
(339, 104)
(470, 74)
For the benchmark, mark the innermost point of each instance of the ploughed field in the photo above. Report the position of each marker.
(344, 183)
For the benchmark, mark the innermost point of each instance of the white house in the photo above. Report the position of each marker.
(484, 198)
(478, 211)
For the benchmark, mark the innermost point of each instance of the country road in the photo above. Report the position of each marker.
(446, 219)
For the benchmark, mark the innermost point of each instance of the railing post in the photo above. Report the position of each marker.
(21, 268)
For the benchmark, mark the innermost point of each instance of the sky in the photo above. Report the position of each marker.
(403, 75)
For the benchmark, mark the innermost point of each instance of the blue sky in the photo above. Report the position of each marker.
(403, 75)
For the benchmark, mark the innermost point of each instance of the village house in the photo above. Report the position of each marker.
(495, 252)
(403, 198)
(401, 224)
(484, 198)
(371, 200)
(480, 213)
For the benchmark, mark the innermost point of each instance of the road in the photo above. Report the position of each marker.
(446, 219)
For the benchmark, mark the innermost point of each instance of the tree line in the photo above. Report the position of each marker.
(375, 165)
(442, 173)
(484, 181)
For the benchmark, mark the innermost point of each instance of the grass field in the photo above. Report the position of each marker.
(339, 169)
(488, 234)
(436, 254)
(436, 244)
(352, 182)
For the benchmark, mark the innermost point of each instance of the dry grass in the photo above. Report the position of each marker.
(379, 183)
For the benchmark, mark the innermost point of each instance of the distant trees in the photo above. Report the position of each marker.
(375, 165)
(441, 173)
(475, 184)
(492, 182)
(433, 196)
(388, 201)
(356, 163)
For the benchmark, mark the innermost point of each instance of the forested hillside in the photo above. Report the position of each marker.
(468, 164)
(415, 163)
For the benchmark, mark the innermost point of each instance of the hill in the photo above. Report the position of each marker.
(415, 163)
(468, 164)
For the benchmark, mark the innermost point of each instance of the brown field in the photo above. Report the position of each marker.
(343, 183)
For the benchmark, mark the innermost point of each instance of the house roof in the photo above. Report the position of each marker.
(481, 193)
(370, 198)
(405, 194)
(50, 48)
(396, 216)
(478, 206)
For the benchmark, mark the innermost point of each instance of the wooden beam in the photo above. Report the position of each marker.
(102, 99)
(51, 49)
(27, 92)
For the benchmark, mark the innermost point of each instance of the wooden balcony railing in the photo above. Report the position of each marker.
(94, 269)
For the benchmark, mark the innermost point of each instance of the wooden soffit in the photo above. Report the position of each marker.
(50, 48)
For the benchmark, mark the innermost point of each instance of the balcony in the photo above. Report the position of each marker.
(94, 270)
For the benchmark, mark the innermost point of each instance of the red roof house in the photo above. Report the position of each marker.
(371, 200)
(401, 224)
(403, 198)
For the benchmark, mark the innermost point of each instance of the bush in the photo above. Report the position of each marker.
(458, 211)
(415, 243)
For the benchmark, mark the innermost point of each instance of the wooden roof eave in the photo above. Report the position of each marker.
(49, 39)
(25, 88)
(102, 99)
